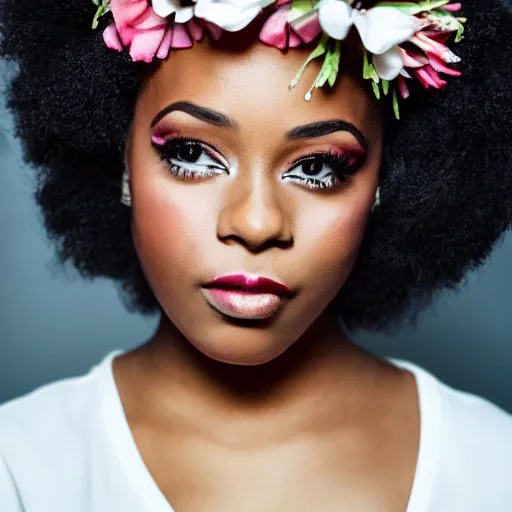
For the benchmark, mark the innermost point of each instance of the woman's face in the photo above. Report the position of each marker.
(242, 192)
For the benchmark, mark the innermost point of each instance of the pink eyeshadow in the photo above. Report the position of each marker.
(158, 140)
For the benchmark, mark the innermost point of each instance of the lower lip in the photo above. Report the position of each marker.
(241, 304)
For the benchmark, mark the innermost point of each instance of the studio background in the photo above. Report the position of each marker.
(55, 325)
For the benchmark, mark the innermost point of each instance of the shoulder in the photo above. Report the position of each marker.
(473, 427)
(477, 432)
(49, 441)
(476, 453)
(469, 440)
(52, 426)
(48, 407)
(462, 416)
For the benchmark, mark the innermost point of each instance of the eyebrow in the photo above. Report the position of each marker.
(307, 131)
(204, 114)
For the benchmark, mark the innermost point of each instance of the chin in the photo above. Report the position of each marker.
(244, 348)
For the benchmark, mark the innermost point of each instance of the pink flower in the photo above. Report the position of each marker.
(138, 28)
(279, 32)
(111, 38)
(402, 87)
(452, 7)
(413, 60)
(276, 31)
(439, 65)
(428, 77)
(430, 45)
(427, 65)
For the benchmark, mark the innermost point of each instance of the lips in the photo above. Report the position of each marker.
(246, 297)
(246, 283)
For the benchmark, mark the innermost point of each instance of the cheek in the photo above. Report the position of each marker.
(171, 226)
(330, 238)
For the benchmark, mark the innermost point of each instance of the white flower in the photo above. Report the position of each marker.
(230, 15)
(381, 29)
(335, 18)
(165, 8)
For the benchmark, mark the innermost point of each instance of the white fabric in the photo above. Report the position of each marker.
(67, 447)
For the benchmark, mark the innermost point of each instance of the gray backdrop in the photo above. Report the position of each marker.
(54, 325)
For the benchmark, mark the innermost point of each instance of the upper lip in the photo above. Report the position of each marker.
(251, 283)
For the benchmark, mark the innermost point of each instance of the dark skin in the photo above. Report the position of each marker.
(285, 413)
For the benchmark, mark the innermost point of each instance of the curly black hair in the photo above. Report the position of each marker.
(445, 181)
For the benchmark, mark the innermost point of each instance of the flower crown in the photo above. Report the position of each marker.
(401, 40)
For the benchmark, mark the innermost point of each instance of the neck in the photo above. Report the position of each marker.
(324, 362)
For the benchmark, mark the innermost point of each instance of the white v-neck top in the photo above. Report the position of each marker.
(67, 447)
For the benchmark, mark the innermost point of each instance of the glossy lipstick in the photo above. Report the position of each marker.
(247, 297)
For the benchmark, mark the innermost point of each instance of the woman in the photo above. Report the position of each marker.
(265, 229)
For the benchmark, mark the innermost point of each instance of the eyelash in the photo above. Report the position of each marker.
(337, 162)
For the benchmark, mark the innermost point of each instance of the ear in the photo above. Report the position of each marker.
(126, 197)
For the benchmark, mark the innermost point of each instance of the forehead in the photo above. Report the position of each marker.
(251, 85)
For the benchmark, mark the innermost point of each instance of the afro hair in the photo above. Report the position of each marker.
(445, 181)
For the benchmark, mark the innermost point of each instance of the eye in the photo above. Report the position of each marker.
(189, 159)
(324, 170)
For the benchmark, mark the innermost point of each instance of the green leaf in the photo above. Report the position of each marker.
(396, 109)
(376, 90)
(317, 52)
(385, 87)
(460, 31)
(97, 15)
(373, 74)
(335, 62)
(366, 66)
(325, 71)
(300, 8)
(102, 9)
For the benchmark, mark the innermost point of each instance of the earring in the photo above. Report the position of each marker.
(126, 197)
(377, 199)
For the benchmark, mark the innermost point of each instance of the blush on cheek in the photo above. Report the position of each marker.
(159, 226)
(337, 239)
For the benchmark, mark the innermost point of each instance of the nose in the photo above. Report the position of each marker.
(254, 216)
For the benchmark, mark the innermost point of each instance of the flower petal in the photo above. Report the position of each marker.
(413, 60)
(388, 64)
(335, 18)
(381, 28)
(111, 38)
(132, 19)
(184, 14)
(165, 8)
(429, 78)
(307, 27)
(294, 40)
(214, 30)
(439, 66)
(402, 88)
(180, 37)
(429, 45)
(165, 45)
(274, 31)
(229, 16)
(195, 30)
(145, 44)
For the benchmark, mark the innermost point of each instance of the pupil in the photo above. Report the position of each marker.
(312, 166)
(190, 152)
